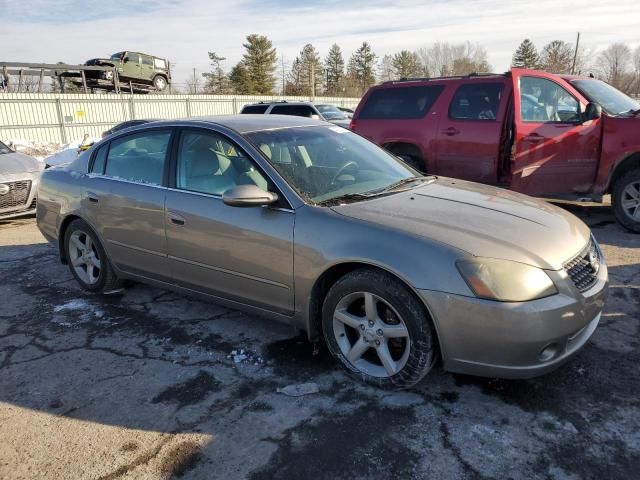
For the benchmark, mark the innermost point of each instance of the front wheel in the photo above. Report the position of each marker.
(380, 332)
(625, 200)
(87, 259)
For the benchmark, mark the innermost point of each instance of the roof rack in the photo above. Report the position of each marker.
(273, 101)
(452, 77)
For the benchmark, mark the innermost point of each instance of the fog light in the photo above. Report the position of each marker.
(548, 352)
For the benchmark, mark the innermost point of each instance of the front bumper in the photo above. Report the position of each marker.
(516, 340)
(29, 206)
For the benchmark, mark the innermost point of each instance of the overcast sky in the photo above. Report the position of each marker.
(184, 31)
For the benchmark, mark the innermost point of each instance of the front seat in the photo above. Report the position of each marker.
(209, 171)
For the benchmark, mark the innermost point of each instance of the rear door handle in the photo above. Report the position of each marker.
(534, 137)
(451, 131)
(175, 219)
(92, 197)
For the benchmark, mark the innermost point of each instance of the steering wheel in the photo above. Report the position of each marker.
(350, 163)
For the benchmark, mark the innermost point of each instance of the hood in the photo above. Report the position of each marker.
(16, 163)
(481, 220)
(342, 123)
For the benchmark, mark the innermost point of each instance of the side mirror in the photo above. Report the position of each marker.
(315, 116)
(248, 196)
(592, 112)
(125, 59)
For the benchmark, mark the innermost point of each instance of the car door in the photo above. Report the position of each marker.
(468, 141)
(131, 67)
(128, 201)
(554, 152)
(241, 254)
(146, 67)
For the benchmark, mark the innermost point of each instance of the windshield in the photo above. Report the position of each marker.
(326, 163)
(116, 56)
(331, 112)
(4, 148)
(612, 101)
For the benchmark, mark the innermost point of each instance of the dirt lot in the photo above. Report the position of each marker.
(143, 385)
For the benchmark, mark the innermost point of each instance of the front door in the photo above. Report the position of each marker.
(131, 67)
(469, 134)
(241, 254)
(555, 152)
(130, 203)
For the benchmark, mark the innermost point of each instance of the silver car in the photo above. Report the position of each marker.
(311, 224)
(19, 177)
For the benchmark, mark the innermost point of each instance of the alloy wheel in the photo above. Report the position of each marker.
(631, 200)
(84, 258)
(371, 334)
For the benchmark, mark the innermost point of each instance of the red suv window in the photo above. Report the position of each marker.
(476, 101)
(400, 102)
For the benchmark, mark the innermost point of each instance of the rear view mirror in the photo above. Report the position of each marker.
(592, 112)
(248, 196)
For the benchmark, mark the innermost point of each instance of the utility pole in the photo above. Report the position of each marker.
(575, 55)
(195, 86)
(284, 85)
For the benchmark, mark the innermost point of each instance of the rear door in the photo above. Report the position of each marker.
(470, 130)
(146, 67)
(128, 202)
(241, 254)
(554, 151)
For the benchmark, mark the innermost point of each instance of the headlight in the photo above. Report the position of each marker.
(505, 281)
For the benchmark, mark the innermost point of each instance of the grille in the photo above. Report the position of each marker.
(17, 196)
(583, 269)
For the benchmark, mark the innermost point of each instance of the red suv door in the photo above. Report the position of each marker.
(468, 140)
(555, 151)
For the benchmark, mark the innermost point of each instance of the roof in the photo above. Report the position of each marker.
(246, 123)
(438, 79)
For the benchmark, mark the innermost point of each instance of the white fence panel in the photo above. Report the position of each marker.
(61, 118)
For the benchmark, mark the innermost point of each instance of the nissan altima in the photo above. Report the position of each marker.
(308, 223)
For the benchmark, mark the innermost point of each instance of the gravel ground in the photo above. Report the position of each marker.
(144, 384)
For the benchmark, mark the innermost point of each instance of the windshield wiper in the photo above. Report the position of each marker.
(347, 197)
(402, 182)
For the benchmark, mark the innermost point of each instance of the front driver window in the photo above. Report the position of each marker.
(542, 100)
(210, 163)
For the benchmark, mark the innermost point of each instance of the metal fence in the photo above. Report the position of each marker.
(62, 118)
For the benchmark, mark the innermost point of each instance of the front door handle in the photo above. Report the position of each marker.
(175, 218)
(534, 138)
(451, 131)
(92, 197)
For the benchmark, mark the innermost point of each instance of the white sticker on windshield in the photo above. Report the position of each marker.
(338, 129)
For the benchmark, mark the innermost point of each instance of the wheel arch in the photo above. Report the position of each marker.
(411, 149)
(334, 273)
(630, 162)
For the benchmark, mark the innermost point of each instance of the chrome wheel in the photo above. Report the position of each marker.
(84, 258)
(631, 200)
(371, 334)
(160, 83)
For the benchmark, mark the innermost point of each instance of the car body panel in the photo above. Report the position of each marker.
(19, 181)
(271, 260)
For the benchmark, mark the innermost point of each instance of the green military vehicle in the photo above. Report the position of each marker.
(133, 67)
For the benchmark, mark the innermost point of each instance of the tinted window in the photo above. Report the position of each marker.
(295, 110)
(476, 101)
(255, 109)
(4, 148)
(139, 157)
(542, 100)
(401, 102)
(211, 163)
(159, 63)
(146, 60)
(612, 101)
(99, 159)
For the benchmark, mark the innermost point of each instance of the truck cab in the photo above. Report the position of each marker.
(530, 131)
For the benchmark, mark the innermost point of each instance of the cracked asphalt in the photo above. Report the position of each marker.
(142, 384)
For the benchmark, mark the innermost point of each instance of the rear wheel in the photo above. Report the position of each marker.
(625, 200)
(159, 82)
(87, 259)
(378, 330)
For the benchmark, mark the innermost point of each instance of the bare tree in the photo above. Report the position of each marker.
(636, 70)
(557, 57)
(193, 83)
(613, 66)
(385, 69)
(442, 59)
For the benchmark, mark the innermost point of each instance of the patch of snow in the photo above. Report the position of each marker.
(76, 304)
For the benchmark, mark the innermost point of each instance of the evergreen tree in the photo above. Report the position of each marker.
(311, 72)
(334, 65)
(406, 64)
(361, 67)
(526, 55)
(557, 57)
(217, 80)
(240, 81)
(259, 60)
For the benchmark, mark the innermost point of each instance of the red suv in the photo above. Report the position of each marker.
(533, 132)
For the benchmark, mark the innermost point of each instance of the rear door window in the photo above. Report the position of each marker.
(295, 110)
(476, 101)
(401, 102)
(139, 157)
(255, 109)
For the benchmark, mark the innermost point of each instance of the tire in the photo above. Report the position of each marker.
(87, 259)
(160, 83)
(359, 338)
(625, 200)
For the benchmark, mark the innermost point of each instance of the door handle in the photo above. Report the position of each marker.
(451, 131)
(175, 219)
(534, 137)
(92, 197)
